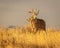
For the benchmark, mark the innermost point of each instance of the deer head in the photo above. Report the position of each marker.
(34, 13)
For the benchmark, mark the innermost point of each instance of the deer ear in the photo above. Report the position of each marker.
(27, 19)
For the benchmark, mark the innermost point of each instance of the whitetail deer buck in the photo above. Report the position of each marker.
(36, 23)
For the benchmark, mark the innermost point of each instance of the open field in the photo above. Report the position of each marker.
(20, 38)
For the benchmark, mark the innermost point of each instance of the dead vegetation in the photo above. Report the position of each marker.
(17, 38)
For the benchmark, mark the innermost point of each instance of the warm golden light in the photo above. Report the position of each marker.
(17, 38)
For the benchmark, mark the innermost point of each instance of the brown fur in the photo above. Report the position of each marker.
(37, 24)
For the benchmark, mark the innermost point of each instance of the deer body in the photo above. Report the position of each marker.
(36, 23)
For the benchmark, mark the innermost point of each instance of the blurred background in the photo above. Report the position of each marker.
(15, 12)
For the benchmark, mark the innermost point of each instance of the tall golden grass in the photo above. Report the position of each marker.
(23, 38)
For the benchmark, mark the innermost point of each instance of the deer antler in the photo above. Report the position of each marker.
(34, 11)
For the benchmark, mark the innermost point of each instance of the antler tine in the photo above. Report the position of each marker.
(30, 11)
(38, 12)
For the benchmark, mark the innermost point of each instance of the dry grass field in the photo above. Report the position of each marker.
(23, 38)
